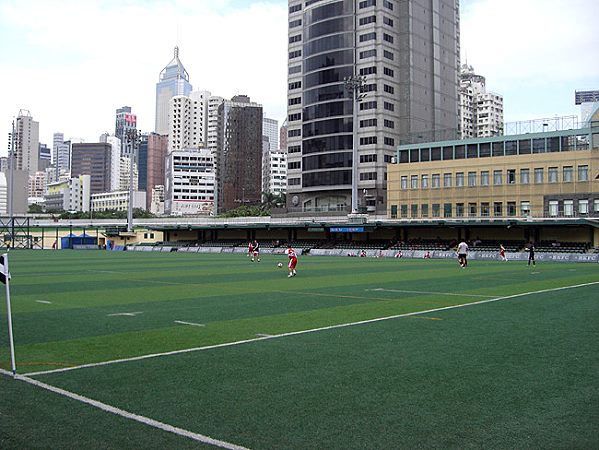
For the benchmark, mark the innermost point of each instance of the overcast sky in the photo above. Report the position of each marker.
(72, 63)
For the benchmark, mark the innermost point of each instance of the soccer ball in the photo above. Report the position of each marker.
(279, 265)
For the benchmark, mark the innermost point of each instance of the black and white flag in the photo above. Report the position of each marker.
(4, 273)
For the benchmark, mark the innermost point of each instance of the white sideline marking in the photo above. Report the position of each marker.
(263, 335)
(312, 330)
(190, 323)
(128, 415)
(429, 292)
(45, 302)
(131, 314)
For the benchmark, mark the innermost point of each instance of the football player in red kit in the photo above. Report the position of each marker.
(292, 261)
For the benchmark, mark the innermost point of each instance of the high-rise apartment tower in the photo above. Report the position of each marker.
(408, 55)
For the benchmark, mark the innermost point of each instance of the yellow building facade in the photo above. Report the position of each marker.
(535, 175)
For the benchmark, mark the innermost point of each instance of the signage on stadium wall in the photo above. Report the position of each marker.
(346, 229)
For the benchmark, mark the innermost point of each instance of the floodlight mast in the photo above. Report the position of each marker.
(355, 84)
(133, 138)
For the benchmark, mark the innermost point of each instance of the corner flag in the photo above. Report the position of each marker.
(5, 277)
(4, 273)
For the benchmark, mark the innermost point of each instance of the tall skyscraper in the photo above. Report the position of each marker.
(239, 153)
(93, 159)
(26, 149)
(61, 154)
(126, 122)
(270, 129)
(406, 54)
(174, 80)
(115, 160)
(481, 112)
(188, 121)
(157, 151)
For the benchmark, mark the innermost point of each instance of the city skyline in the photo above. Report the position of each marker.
(72, 81)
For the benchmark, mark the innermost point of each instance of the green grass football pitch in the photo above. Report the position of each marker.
(116, 349)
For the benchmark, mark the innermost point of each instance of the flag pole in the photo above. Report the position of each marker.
(10, 335)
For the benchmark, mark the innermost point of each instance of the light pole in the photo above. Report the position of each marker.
(10, 199)
(132, 137)
(354, 85)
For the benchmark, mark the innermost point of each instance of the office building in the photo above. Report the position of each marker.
(544, 174)
(26, 143)
(239, 153)
(72, 194)
(190, 183)
(61, 154)
(93, 159)
(125, 129)
(188, 121)
(407, 57)
(117, 201)
(481, 112)
(270, 129)
(157, 151)
(173, 81)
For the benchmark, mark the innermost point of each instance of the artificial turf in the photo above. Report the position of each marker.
(514, 373)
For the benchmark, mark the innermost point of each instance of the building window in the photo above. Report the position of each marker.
(367, 3)
(471, 179)
(368, 70)
(367, 123)
(511, 176)
(387, 54)
(524, 208)
(367, 176)
(388, 89)
(583, 206)
(294, 133)
(497, 177)
(511, 209)
(498, 209)
(553, 208)
(369, 140)
(424, 182)
(424, 210)
(524, 176)
(539, 175)
(389, 141)
(404, 211)
(414, 182)
(295, 85)
(367, 20)
(295, 54)
(294, 101)
(471, 209)
(485, 209)
(368, 54)
(388, 123)
(459, 179)
(552, 175)
(436, 180)
(596, 206)
(414, 211)
(388, 106)
(394, 211)
(388, 4)
(367, 37)
(387, 21)
(367, 105)
(447, 210)
(568, 208)
(387, 38)
(296, 38)
(568, 174)
(388, 72)
(583, 173)
(484, 178)
(446, 180)
(404, 182)
(436, 210)
(459, 210)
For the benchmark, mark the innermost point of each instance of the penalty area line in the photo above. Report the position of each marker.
(311, 330)
(128, 415)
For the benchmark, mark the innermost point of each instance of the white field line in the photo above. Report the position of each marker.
(430, 292)
(45, 302)
(190, 323)
(129, 314)
(312, 330)
(120, 412)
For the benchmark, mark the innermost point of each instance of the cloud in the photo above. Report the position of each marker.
(73, 63)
